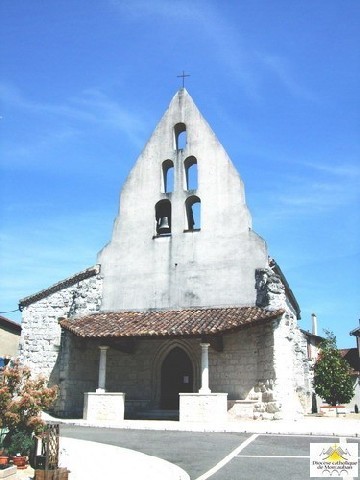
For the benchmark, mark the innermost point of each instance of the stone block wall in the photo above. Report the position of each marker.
(292, 386)
(41, 338)
(245, 361)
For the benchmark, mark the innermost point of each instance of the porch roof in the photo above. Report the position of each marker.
(168, 323)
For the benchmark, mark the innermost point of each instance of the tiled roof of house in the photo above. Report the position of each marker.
(168, 323)
(351, 355)
(68, 282)
(10, 325)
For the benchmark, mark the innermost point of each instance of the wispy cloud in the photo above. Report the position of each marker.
(313, 190)
(317, 197)
(347, 170)
(244, 63)
(281, 69)
(91, 108)
(324, 187)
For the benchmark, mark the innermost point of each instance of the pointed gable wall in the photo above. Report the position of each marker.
(213, 266)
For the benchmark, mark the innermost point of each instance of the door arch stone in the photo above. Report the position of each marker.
(157, 364)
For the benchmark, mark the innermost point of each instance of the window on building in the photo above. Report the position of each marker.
(191, 174)
(167, 176)
(180, 136)
(192, 208)
(163, 217)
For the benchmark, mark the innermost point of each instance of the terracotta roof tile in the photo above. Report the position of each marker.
(167, 323)
(10, 325)
(351, 355)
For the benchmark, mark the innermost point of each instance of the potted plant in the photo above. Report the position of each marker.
(19, 445)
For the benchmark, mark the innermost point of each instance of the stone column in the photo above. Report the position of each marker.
(102, 369)
(205, 368)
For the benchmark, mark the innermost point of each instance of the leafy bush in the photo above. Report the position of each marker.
(22, 398)
(19, 442)
(332, 374)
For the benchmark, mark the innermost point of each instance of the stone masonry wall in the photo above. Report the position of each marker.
(245, 361)
(291, 388)
(41, 334)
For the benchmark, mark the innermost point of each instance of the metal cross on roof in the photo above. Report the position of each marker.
(183, 78)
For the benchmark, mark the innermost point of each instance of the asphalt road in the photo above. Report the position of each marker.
(217, 456)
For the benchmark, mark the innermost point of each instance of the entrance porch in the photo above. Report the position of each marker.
(152, 357)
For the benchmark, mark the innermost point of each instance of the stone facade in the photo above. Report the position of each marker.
(248, 368)
(288, 343)
(157, 260)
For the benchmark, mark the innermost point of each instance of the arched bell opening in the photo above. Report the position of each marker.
(167, 176)
(192, 210)
(180, 136)
(191, 173)
(163, 217)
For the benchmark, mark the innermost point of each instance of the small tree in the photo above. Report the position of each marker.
(22, 398)
(332, 374)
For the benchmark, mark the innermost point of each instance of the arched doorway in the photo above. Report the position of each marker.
(176, 377)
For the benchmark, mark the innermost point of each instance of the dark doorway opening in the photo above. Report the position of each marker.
(176, 377)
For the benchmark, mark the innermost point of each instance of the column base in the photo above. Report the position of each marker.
(204, 391)
(104, 406)
(203, 407)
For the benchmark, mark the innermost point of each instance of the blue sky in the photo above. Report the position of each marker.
(84, 84)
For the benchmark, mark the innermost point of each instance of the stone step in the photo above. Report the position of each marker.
(158, 414)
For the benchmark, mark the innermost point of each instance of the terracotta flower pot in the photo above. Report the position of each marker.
(4, 460)
(19, 461)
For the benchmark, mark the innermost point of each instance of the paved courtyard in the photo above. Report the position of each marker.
(217, 455)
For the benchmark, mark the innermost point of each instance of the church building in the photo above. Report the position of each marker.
(183, 300)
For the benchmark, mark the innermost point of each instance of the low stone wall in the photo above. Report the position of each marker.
(246, 359)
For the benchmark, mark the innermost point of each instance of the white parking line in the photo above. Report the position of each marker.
(228, 458)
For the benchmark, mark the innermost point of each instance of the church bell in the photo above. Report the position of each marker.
(164, 226)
